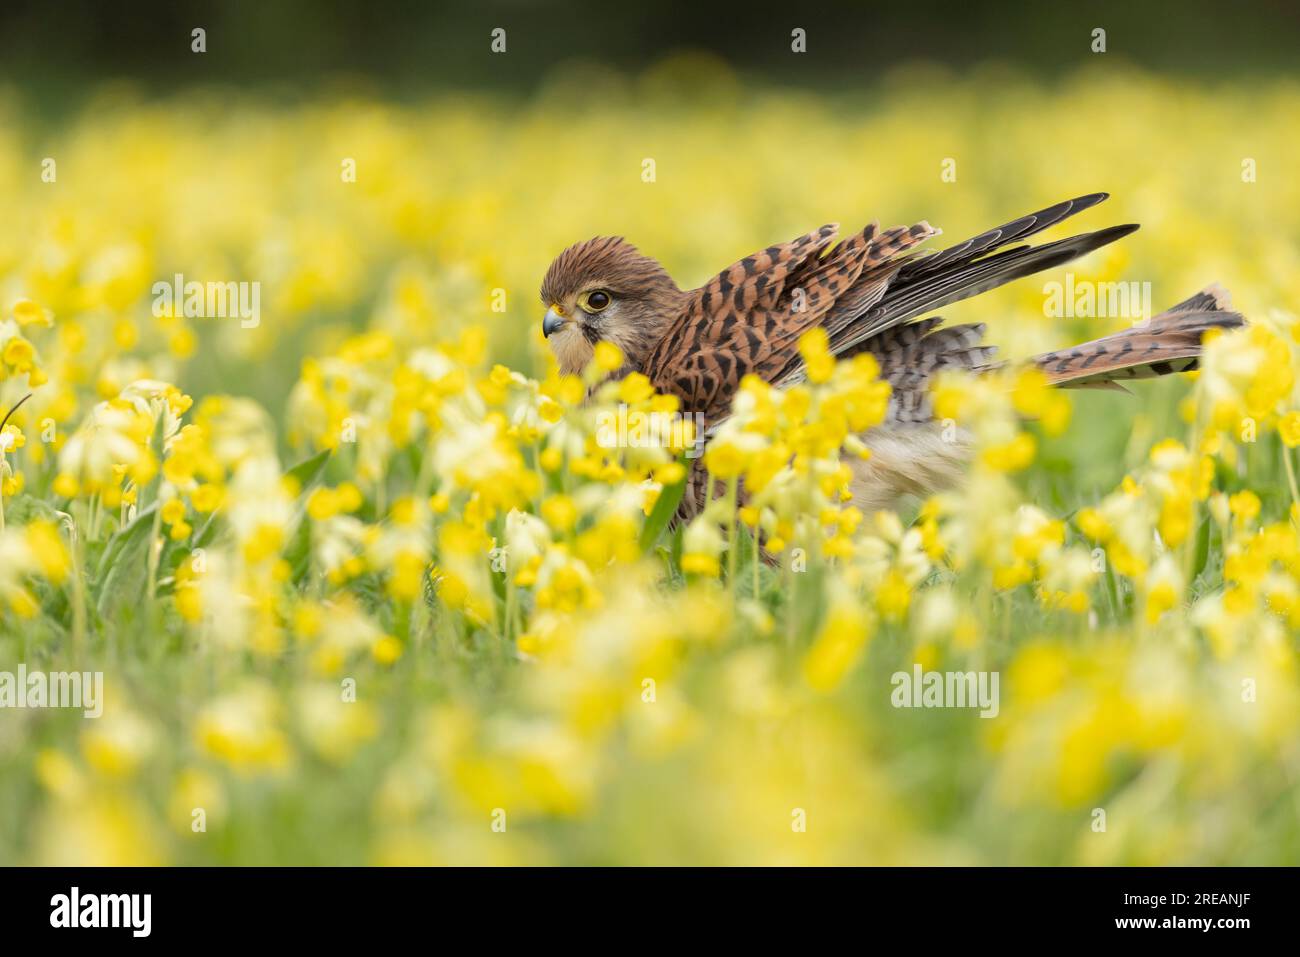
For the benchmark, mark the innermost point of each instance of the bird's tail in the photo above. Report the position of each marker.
(1167, 343)
(918, 461)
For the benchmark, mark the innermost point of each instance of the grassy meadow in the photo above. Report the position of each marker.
(364, 589)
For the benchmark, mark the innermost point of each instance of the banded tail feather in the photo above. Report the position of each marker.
(1170, 342)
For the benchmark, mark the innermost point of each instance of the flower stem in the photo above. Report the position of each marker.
(1290, 477)
(79, 614)
(733, 549)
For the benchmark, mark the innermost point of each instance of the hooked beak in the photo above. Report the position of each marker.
(554, 319)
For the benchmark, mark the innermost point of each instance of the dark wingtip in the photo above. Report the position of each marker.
(1111, 233)
(1080, 203)
(1088, 242)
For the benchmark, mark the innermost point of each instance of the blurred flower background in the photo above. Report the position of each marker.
(365, 588)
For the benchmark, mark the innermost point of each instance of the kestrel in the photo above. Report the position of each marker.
(869, 293)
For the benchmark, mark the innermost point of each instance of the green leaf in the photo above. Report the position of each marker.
(1202, 555)
(124, 565)
(22, 509)
(150, 492)
(306, 472)
(205, 534)
(298, 553)
(670, 496)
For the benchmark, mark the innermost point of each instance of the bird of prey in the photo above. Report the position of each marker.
(871, 293)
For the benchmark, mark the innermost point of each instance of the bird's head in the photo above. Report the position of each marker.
(604, 290)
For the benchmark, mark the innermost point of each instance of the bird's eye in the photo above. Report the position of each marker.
(594, 301)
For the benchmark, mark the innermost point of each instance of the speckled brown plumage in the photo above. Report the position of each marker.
(748, 318)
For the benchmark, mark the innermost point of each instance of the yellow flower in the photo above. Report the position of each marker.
(1164, 588)
(189, 602)
(951, 398)
(387, 650)
(117, 744)
(1245, 505)
(894, 596)
(670, 473)
(1289, 428)
(243, 730)
(1034, 397)
(1010, 456)
(560, 513)
(264, 543)
(28, 313)
(838, 645)
(730, 452)
(701, 544)
(173, 511)
(206, 498)
(19, 355)
(634, 388)
(607, 357)
(814, 346)
(11, 438)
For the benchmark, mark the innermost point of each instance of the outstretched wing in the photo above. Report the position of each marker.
(748, 318)
(899, 291)
(864, 292)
